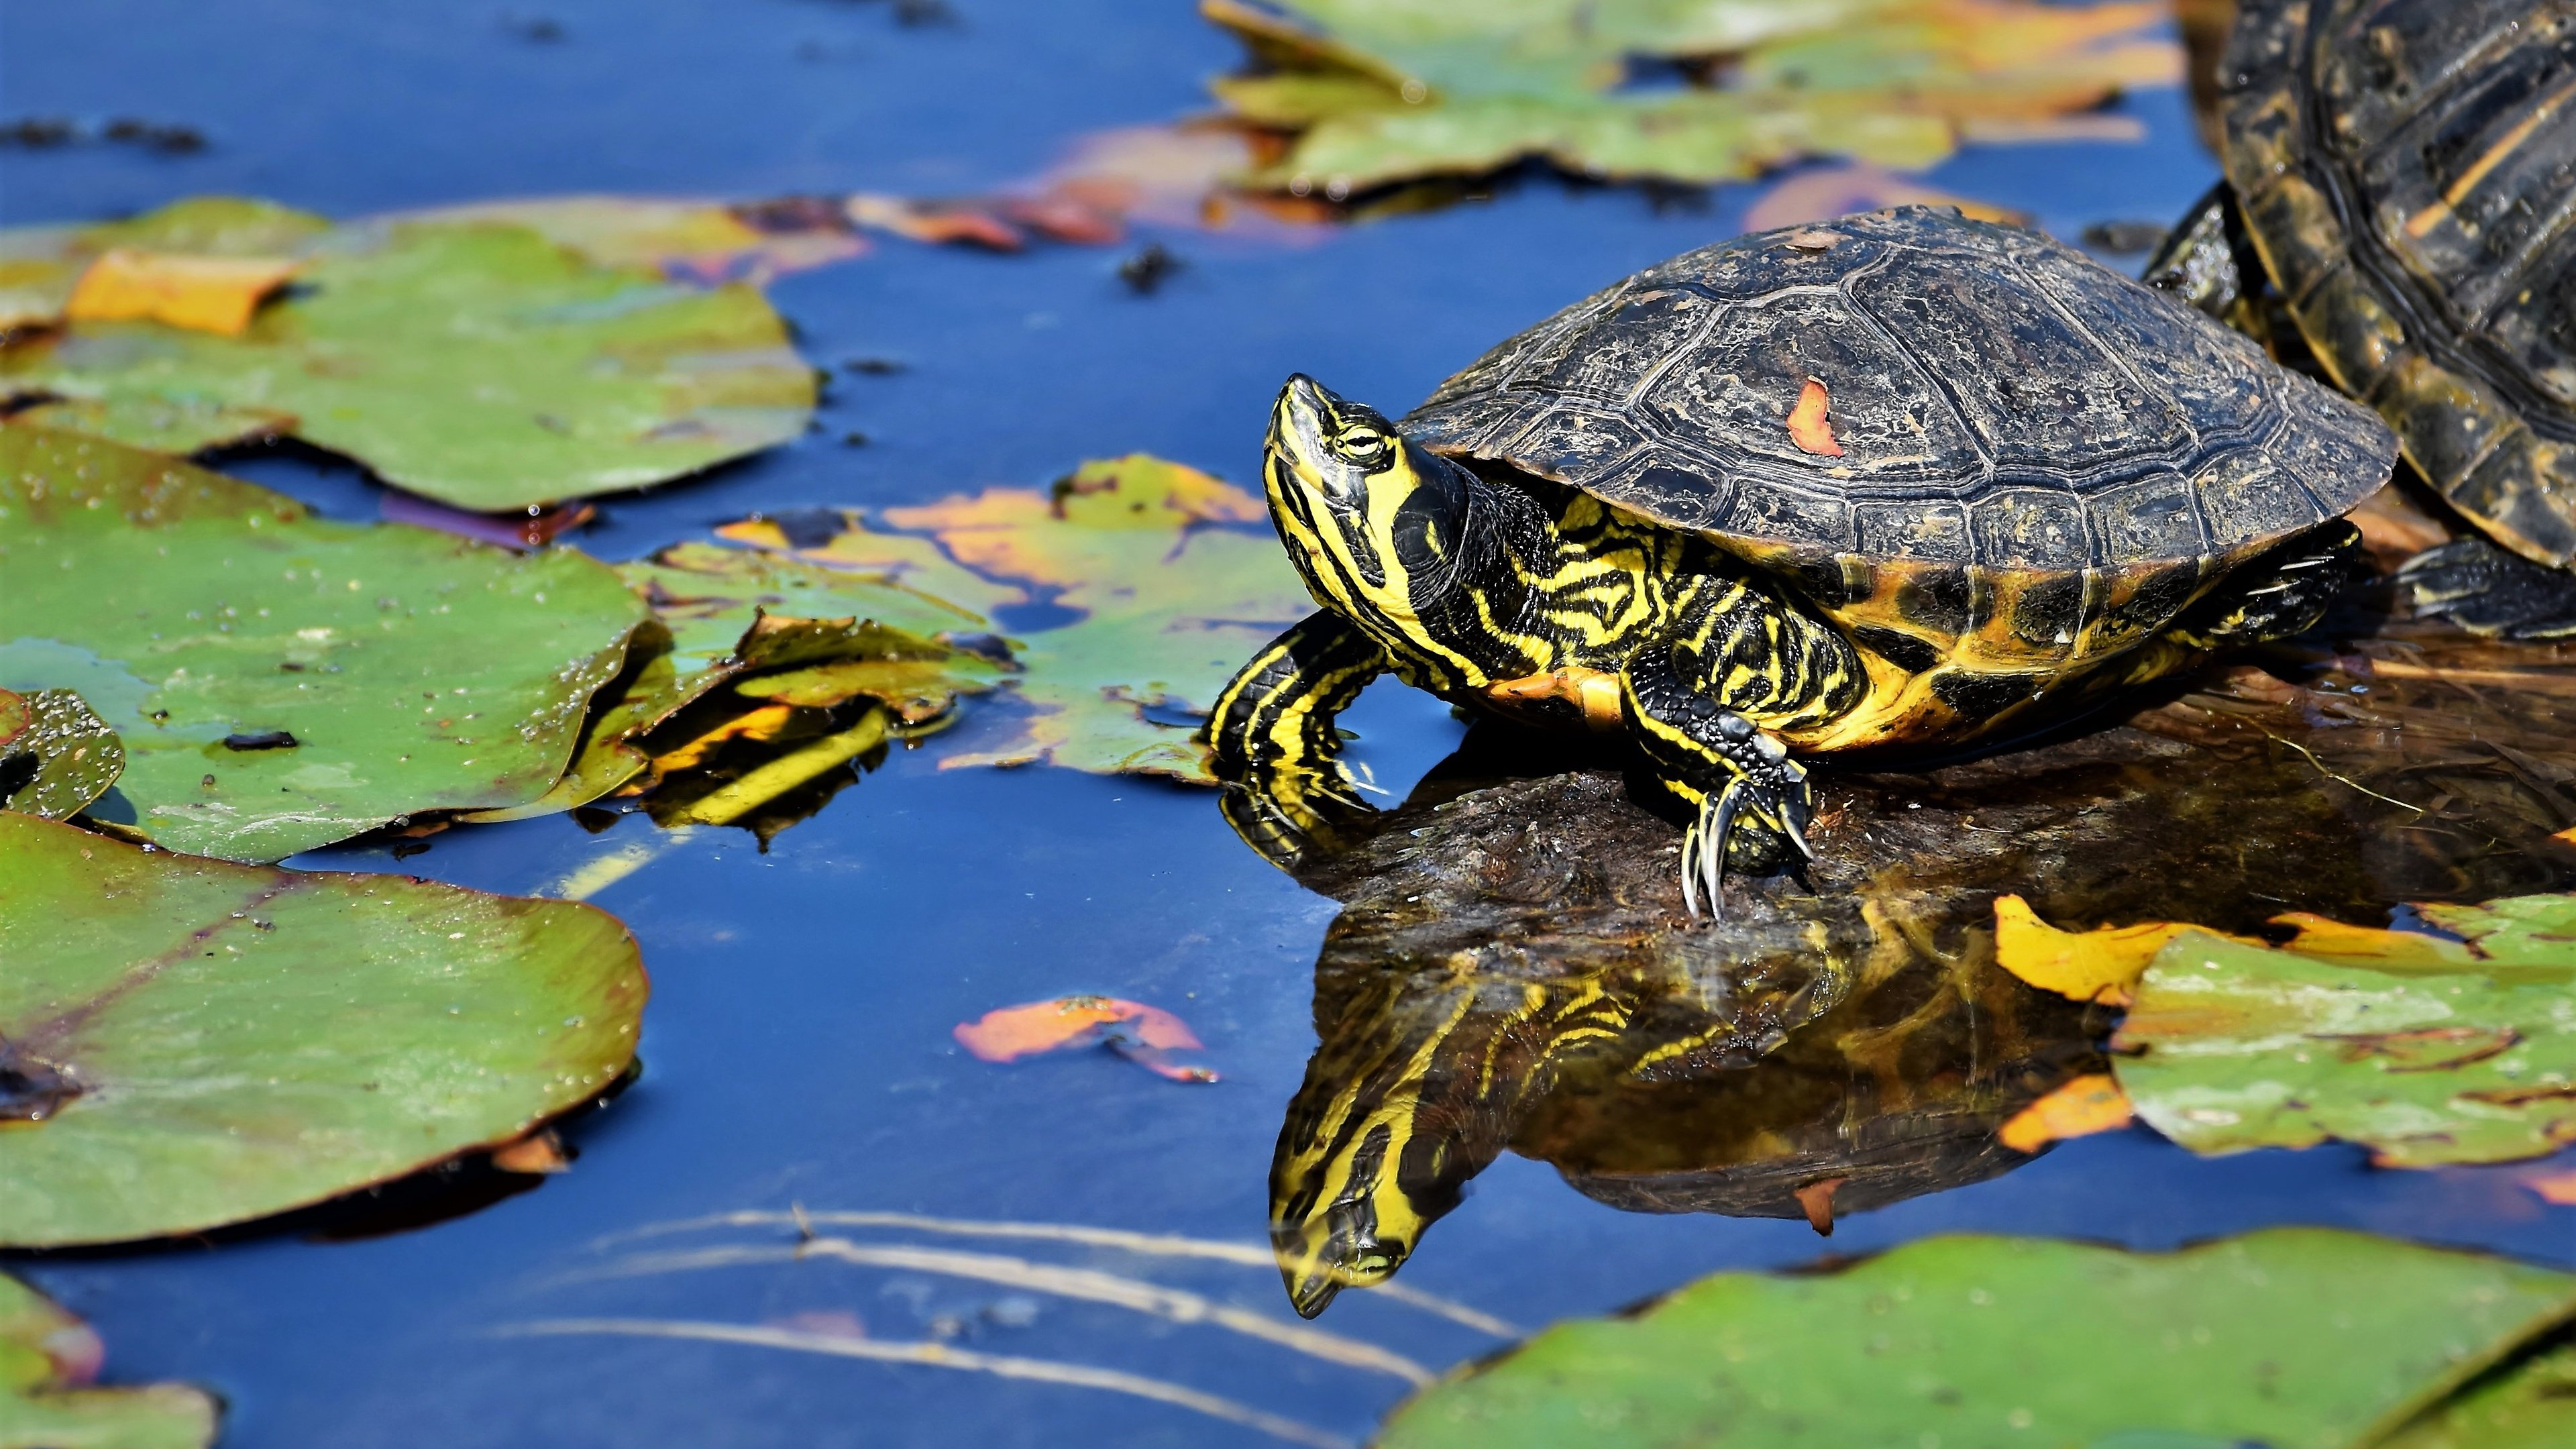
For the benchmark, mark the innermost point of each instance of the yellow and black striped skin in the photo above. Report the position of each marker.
(1477, 590)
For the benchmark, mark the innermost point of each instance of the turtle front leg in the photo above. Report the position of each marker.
(1272, 736)
(2488, 591)
(1754, 801)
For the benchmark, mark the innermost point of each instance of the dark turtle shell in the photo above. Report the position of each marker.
(2408, 171)
(2040, 461)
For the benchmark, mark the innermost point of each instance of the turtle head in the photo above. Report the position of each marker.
(1377, 525)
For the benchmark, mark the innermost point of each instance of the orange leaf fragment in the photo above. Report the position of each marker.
(2101, 965)
(540, 1152)
(203, 294)
(2568, 835)
(1816, 1199)
(1809, 427)
(1834, 191)
(2091, 1103)
(2557, 1188)
(1140, 1033)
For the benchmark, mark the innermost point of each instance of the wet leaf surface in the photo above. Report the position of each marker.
(48, 1361)
(191, 1043)
(1374, 93)
(56, 755)
(413, 670)
(2296, 1338)
(2426, 1049)
(1174, 573)
(478, 362)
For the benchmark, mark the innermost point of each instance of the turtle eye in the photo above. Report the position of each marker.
(1362, 446)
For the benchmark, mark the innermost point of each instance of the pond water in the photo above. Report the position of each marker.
(798, 1053)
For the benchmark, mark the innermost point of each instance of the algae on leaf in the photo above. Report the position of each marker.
(48, 1360)
(476, 361)
(2293, 1338)
(1379, 91)
(190, 1043)
(56, 755)
(280, 681)
(2427, 1050)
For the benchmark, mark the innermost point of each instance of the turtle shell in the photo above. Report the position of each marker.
(2031, 460)
(2408, 171)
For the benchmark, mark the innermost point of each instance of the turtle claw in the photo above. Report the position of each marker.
(1746, 820)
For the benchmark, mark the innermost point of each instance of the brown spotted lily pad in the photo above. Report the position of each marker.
(281, 681)
(186, 1043)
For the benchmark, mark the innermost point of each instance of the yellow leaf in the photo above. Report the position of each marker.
(2085, 965)
(201, 293)
(2089, 1104)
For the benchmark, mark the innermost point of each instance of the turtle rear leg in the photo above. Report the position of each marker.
(1272, 736)
(2486, 590)
(2283, 593)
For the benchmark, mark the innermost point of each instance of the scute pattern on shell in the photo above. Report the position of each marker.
(2001, 401)
(2408, 169)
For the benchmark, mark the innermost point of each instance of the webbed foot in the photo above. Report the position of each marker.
(2487, 590)
(1753, 817)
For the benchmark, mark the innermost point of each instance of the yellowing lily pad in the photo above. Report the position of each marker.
(56, 755)
(190, 1043)
(48, 1360)
(280, 681)
(1178, 579)
(2424, 1049)
(2292, 1338)
(1377, 91)
(478, 362)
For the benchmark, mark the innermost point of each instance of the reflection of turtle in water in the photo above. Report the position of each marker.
(1794, 1067)
(2398, 184)
(1895, 480)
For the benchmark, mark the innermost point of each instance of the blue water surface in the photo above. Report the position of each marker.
(797, 1048)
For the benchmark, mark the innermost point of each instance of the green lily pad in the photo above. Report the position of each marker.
(475, 361)
(189, 1042)
(2426, 1050)
(2530, 1404)
(47, 1359)
(2292, 1338)
(1377, 91)
(282, 681)
(56, 755)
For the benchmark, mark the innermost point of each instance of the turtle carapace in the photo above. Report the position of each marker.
(1901, 479)
(2398, 213)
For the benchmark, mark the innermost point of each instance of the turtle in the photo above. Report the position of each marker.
(2399, 213)
(1904, 480)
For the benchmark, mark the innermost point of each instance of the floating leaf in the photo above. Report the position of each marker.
(2526, 1405)
(1376, 92)
(702, 241)
(476, 362)
(1174, 597)
(414, 671)
(2407, 1048)
(1827, 192)
(2091, 1103)
(1145, 1035)
(2558, 1188)
(40, 265)
(56, 755)
(200, 293)
(48, 1359)
(190, 1043)
(2294, 1338)
(2101, 965)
